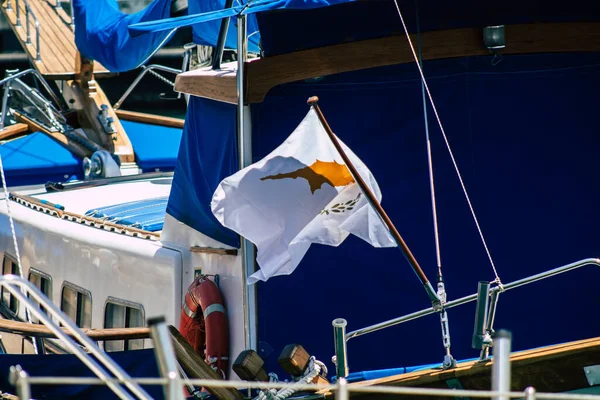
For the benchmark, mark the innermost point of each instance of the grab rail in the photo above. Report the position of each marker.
(58, 6)
(28, 11)
(28, 294)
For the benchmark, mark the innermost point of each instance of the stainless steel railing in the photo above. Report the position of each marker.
(36, 23)
(145, 69)
(14, 76)
(29, 295)
(58, 6)
(473, 297)
(341, 387)
(341, 355)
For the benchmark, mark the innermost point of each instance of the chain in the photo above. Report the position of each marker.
(162, 78)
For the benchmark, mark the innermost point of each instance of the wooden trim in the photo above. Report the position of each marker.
(196, 368)
(264, 74)
(58, 211)
(211, 250)
(212, 84)
(14, 131)
(150, 118)
(27, 329)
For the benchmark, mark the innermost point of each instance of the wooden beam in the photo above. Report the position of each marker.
(264, 74)
(196, 368)
(27, 329)
(13, 131)
(150, 119)
(74, 147)
(212, 84)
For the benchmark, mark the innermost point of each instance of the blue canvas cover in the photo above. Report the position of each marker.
(37, 158)
(155, 146)
(524, 135)
(207, 155)
(147, 214)
(208, 33)
(101, 33)
(137, 363)
(205, 16)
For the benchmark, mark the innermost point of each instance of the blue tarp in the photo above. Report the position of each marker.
(205, 16)
(207, 155)
(137, 363)
(525, 137)
(155, 146)
(101, 33)
(37, 158)
(208, 33)
(147, 214)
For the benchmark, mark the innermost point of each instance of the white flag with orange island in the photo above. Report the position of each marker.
(301, 193)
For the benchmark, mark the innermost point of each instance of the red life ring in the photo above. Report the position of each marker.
(207, 331)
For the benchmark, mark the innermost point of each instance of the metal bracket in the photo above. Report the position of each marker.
(449, 361)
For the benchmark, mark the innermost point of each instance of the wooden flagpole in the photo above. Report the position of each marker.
(313, 102)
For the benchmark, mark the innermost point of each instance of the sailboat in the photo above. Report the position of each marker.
(518, 115)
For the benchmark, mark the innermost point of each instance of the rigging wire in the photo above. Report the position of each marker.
(17, 253)
(462, 184)
(430, 162)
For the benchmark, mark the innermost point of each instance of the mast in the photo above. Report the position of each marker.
(244, 147)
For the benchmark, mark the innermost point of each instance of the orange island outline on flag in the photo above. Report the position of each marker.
(318, 173)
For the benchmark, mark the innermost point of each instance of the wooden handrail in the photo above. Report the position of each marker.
(150, 118)
(264, 74)
(36, 330)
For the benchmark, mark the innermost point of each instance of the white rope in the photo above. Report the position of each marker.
(462, 184)
(312, 371)
(17, 253)
(436, 231)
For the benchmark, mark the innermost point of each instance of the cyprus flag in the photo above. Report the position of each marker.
(301, 193)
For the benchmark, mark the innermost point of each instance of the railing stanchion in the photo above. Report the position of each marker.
(501, 364)
(18, 12)
(165, 355)
(341, 355)
(341, 389)
(18, 377)
(530, 393)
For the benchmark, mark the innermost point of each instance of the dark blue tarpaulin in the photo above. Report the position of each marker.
(101, 33)
(205, 16)
(525, 137)
(137, 363)
(207, 155)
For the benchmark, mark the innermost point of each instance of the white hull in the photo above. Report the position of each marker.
(148, 273)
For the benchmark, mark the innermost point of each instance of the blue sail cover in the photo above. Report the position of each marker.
(101, 33)
(205, 17)
(207, 155)
(208, 33)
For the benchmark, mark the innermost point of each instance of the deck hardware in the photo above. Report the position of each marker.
(145, 69)
(592, 374)
(341, 354)
(501, 365)
(481, 311)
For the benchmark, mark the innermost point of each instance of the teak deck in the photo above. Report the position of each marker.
(557, 368)
(57, 41)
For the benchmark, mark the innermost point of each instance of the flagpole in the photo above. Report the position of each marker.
(313, 102)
